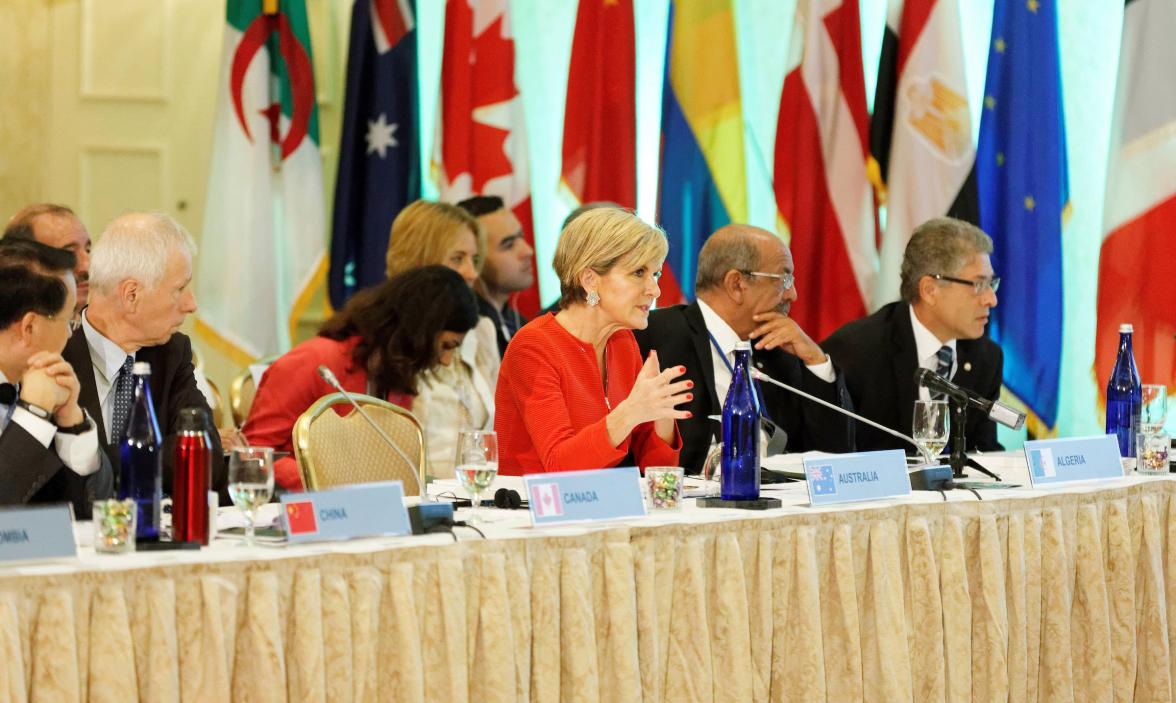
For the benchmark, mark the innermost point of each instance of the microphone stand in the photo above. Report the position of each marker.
(959, 458)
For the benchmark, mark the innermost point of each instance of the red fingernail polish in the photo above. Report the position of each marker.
(681, 369)
(689, 414)
(690, 384)
(689, 396)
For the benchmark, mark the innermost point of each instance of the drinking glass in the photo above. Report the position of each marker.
(251, 482)
(711, 470)
(1153, 407)
(930, 427)
(476, 465)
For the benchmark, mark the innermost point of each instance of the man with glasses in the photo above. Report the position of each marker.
(48, 444)
(948, 289)
(745, 286)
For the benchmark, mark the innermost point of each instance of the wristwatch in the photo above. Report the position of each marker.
(83, 426)
(36, 410)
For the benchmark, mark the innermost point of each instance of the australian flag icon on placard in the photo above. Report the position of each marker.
(821, 482)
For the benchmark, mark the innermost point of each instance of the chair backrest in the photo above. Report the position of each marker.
(218, 405)
(243, 389)
(335, 450)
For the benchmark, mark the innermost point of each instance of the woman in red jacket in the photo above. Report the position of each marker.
(378, 345)
(573, 392)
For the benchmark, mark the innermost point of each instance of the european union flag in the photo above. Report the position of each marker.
(379, 151)
(1021, 176)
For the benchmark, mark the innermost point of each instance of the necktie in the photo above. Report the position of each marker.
(943, 359)
(7, 394)
(124, 387)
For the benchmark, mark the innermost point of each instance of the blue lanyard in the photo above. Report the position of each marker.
(757, 392)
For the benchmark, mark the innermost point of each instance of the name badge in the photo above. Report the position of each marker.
(1075, 459)
(584, 496)
(361, 510)
(32, 534)
(846, 478)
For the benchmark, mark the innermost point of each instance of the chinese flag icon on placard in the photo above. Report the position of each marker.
(300, 518)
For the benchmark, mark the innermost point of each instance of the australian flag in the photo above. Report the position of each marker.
(379, 151)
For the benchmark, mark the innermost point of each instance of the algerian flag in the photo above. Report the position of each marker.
(262, 251)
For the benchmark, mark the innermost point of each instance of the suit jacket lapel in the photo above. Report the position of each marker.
(700, 338)
(77, 353)
(905, 361)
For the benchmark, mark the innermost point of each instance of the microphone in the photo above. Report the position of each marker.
(996, 410)
(933, 478)
(425, 516)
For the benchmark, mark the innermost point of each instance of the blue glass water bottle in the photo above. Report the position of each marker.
(741, 432)
(141, 457)
(1124, 395)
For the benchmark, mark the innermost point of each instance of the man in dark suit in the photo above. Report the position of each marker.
(509, 267)
(948, 289)
(56, 226)
(48, 445)
(140, 278)
(745, 286)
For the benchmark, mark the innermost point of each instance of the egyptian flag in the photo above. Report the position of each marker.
(481, 146)
(379, 149)
(600, 129)
(702, 185)
(921, 129)
(822, 190)
(262, 250)
(1135, 283)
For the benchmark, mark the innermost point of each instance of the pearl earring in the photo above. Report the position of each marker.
(593, 299)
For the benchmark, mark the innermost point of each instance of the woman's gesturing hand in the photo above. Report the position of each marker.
(654, 398)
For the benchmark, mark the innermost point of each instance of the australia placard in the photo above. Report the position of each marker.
(360, 510)
(846, 478)
(584, 496)
(1075, 459)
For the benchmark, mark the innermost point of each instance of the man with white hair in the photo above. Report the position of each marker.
(140, 294)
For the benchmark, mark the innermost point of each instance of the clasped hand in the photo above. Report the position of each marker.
(50, 382)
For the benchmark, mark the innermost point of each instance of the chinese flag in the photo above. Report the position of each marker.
(600, 134)
(300, 518)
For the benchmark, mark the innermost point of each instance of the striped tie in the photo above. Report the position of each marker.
(943, 359)
(124, 388)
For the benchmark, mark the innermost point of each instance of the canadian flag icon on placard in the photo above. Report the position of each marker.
(545, 500)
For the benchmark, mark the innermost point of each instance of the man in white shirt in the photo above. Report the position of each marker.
(48, 444)
(948, 289)
(746, 285)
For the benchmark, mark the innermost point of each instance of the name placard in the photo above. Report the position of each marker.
(1075, 459)
(360, 510)
(33, 534)
(846, 478)
(584, 496)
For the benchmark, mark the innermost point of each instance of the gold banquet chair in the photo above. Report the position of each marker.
(337, 450)
(242, 390)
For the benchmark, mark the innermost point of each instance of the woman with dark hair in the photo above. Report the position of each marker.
(381, 344)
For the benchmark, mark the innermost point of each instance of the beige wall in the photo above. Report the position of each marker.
(108, 106)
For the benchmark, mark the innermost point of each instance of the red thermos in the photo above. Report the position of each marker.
(190, 486)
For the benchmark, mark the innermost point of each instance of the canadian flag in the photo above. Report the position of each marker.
(481, 144)
(545, 500)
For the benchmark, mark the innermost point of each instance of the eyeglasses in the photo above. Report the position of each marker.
(73, 322)
(980, 286)
(785, 280)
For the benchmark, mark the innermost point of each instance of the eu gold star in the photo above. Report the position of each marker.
(1000, 158)
(990, 102)
(1030, 203)
(1033, 5)
(999, 45)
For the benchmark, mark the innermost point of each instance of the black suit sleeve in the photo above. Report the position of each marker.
(982, 430)
(182, 393)
(25, 465)
(810, 426)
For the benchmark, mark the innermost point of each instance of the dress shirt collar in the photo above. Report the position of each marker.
(927, 344)
(107, 356)
(719, 329)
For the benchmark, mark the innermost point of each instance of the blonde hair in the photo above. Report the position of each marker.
(425, 231)
(600, 240)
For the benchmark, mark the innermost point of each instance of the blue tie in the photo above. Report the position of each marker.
(124, 388)
(943, 359)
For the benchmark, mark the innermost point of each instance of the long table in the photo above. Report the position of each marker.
(1035, 596)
